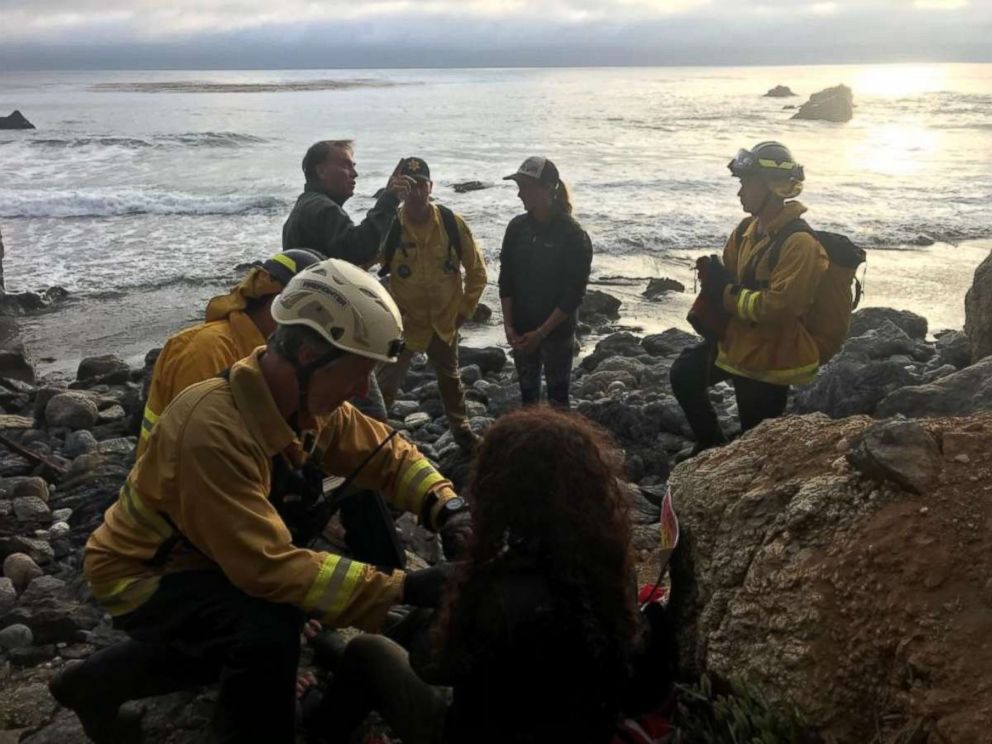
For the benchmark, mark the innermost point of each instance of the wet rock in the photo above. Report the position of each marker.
(501, 399)
(31, 488)
(53, 615)
(954, 348)
(833, 104)
(15, 636)
(16, 120)
(8, 595)
(14, 364)
(595, 385)
(899, 451)
(21, 569)
(482, 313)
(924, 241)
(779, 91)
(78, 443)
(601, 304)
(617, 344)
(32, 509)
(403, 408)
(871, 318)
(416, 420)
(470, 374)
(111, 414)
(658, 288)
(24, 303)
(123, 446)
(107, 369)
(960, 394)
(669, 343)
(978, 311)
(73, 410)
(490, 359)
(466, 186)
(42, 397)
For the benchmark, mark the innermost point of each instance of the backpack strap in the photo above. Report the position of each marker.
(389, 245)
(797, 225)
(451, 228)
(395, 234)
(741, 229)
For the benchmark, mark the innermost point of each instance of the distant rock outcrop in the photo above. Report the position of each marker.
(780, 91)
(833, 104)
(978, 311)
(466, 186)
(16, 120)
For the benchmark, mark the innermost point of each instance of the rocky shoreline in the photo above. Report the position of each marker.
(788, 551)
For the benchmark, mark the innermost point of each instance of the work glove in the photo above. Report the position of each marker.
(714, 278)
(456, 534)
(424, 587)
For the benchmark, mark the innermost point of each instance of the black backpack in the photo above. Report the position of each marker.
(395, 234)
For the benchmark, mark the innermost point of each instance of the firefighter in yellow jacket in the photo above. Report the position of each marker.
(765, 295)
(195, 563)
(236, 324)
(424, 255)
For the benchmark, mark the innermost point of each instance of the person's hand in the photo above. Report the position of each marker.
(512, 337)
(530, 342)
(311, 630)
(398, 185)
(304, 681)
(424, 587)
(456, 534)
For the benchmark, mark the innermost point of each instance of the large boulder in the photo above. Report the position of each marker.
(833, 104)
(71, 410)
(14, 364)
(52, 613)
(900, 451)
(658, 288)
(780, 91)
(489, 359)
(870, 318)
(16, 120)
(849, 386)
(978, 311)
(623, 344)
(798, 575)
(954, 348)
(108, 369)
(599, 304)
(959, 394)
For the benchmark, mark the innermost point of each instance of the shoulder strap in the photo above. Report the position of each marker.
(451, 228)
(389, 245)
(741, 229)
(797, 225)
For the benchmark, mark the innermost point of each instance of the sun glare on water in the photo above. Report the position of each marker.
(898, 81)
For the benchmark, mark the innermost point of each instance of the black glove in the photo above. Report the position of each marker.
(714, 278)
(423, 587)
(456, 534)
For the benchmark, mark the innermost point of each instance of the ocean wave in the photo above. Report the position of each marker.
(38, 203)
(184, 139)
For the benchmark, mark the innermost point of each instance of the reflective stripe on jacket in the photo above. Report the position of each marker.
(206, 473)
(766, 339)
(426, 281)
(194, 355)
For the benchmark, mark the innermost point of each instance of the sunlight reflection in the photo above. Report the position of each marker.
(896, 149)
(899, 81)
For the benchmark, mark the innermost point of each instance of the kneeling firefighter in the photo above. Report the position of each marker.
(195, 563)
(774, 309)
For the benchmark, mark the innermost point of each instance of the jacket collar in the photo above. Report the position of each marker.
(257, 406)
(315, 188)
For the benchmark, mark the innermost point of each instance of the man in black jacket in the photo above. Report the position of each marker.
(318, 220)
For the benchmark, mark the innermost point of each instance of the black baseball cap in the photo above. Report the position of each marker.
(415, 168)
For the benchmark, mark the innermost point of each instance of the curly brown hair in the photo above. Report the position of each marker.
(545, 489)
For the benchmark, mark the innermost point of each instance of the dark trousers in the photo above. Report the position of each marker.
(554, 356)
(375, 674)
(695, 371)
(196, 629)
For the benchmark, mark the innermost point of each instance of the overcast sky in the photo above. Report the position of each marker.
(195, 34)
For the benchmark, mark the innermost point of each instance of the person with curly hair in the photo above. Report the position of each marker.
(538, 626)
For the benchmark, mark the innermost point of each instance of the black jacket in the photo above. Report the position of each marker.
(543, 267)
(321, 224)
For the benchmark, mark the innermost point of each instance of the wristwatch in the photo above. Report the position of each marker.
(450, 508)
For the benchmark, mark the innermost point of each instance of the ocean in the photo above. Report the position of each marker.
(141, 192)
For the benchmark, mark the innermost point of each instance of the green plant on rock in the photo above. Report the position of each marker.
(737, 714)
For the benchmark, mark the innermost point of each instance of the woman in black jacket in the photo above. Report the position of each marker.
(537, 628)
(544, 268)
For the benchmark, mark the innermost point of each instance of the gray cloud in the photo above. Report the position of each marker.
(384, 33)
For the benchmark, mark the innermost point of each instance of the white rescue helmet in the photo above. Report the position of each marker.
(346, 306)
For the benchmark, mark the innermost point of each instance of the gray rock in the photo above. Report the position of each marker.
(16, 120)
(779, 91)
(108, 369)
(111, 414)
(881, 342)
(41, 399)
(470, 374)
(78, 442)
(31, 705)
(833, 104)
(978, 311)
(849, 386)
(490, 359)
(482, 313)
(31, 487)
(416, 420)
(616, 344)
(21, 569)
(633, 367)
(14, 365)
(466, 186)
(58, 531)
(8, 595)
(61, 515)
(119, 446)
(658, 288)
(954, 347)
(596, 384)
(502, 399)
(899, 451)
(38, 550)
(669, 343)
(938, 373)
(53, 615)
(71, 409)
(32, 509)
(960, 394)
(403, 408)
(870, 318)
(598, 303)
(474, 409)
(15, 636)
